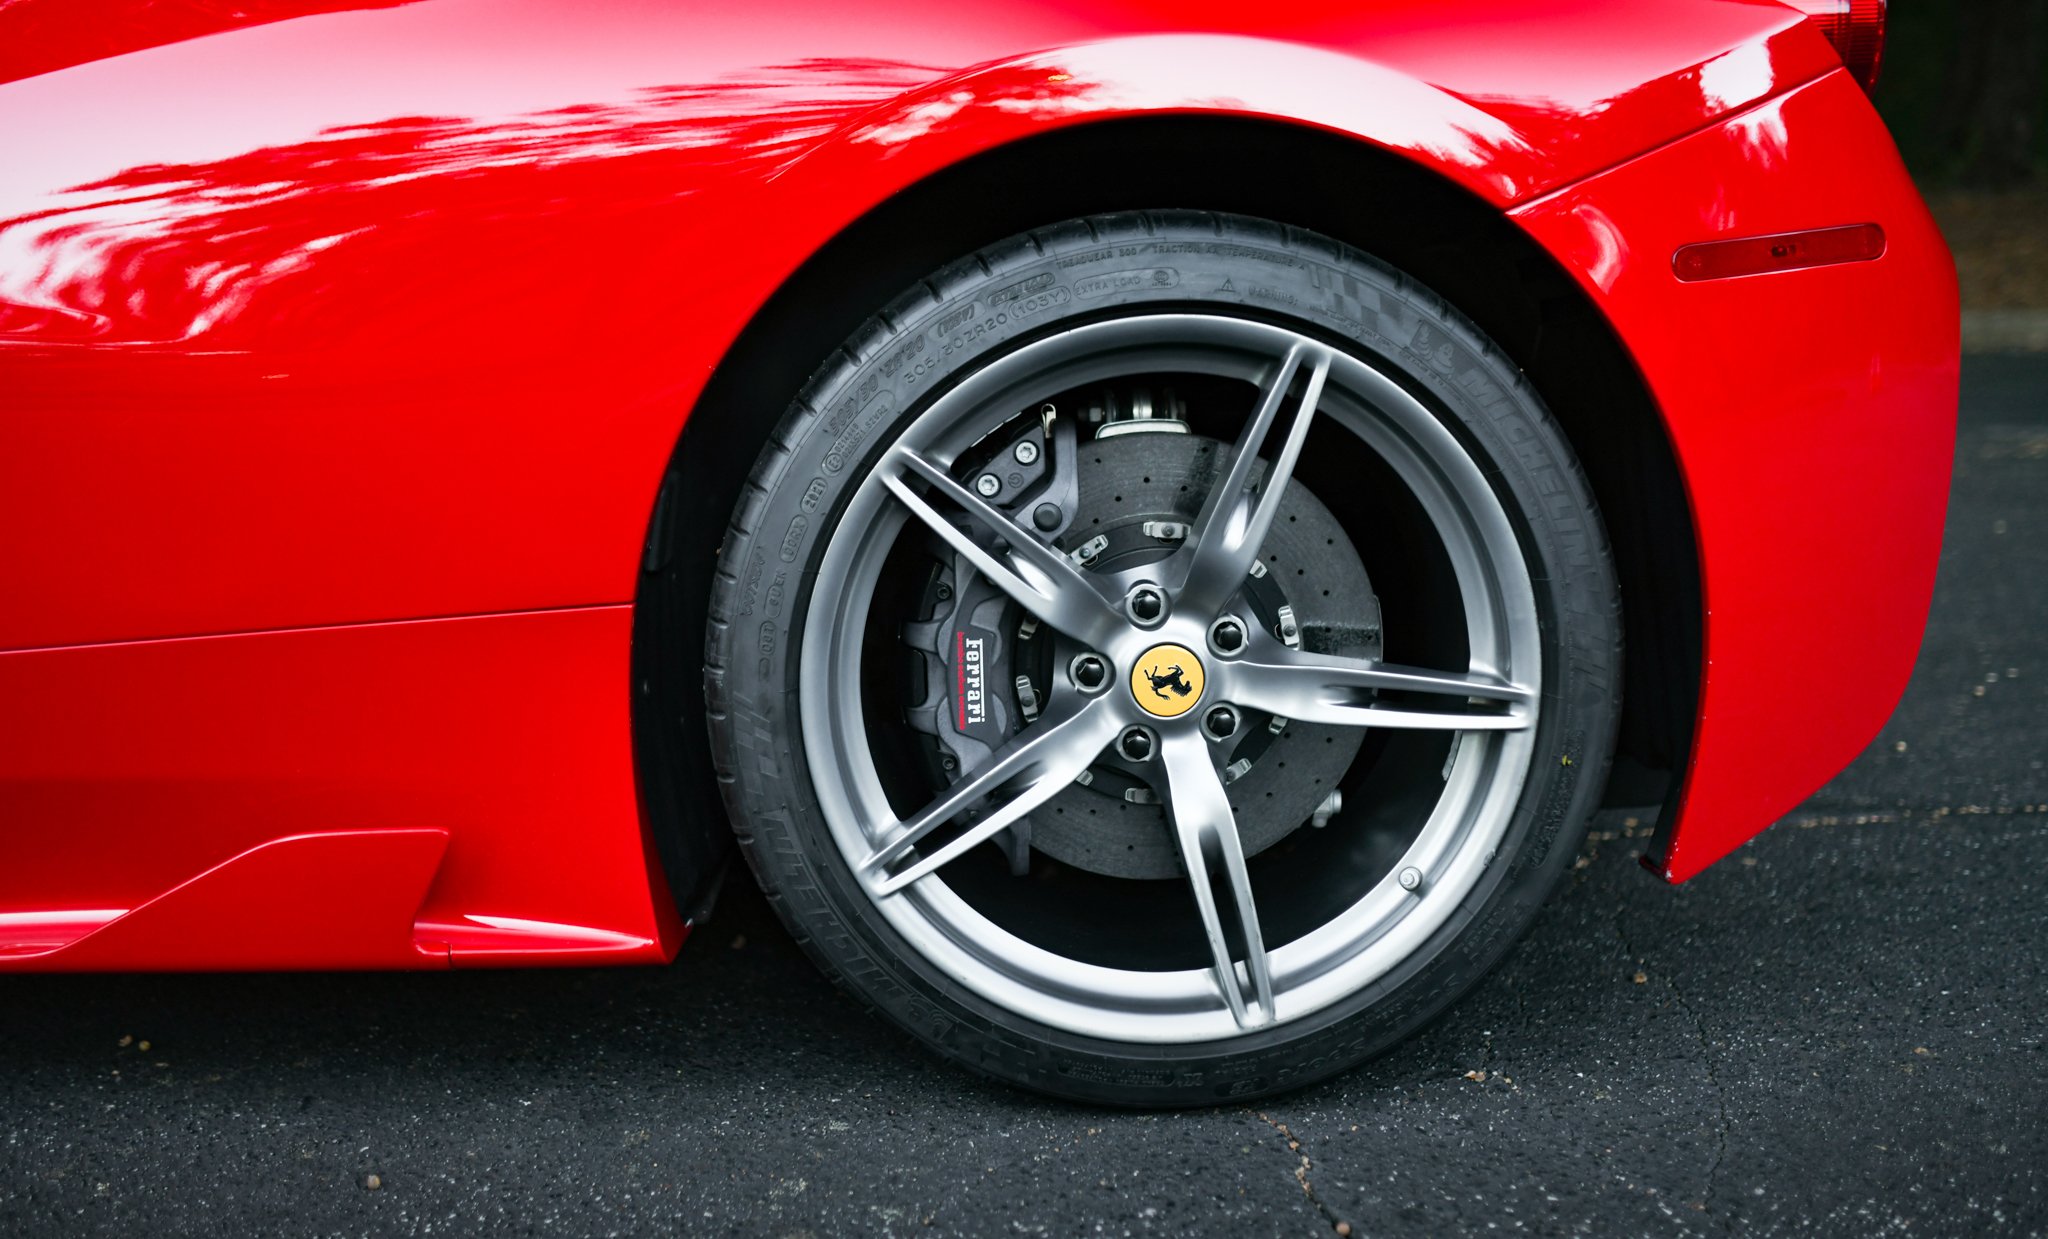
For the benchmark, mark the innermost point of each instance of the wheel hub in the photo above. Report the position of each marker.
(1140, 493)
(1167, 680)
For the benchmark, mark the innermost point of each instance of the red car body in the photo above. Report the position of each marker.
(343, 356)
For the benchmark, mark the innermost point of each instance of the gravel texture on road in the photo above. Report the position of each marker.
(1839, 1030)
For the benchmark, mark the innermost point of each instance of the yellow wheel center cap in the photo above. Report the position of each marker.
(1167, 680)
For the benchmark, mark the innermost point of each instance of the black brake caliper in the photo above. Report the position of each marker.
(977, 691)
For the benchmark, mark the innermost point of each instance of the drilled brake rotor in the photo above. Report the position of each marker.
(1133, 481)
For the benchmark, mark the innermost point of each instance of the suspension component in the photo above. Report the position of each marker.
(1136, 412)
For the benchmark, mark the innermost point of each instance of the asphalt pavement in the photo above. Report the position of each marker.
(1839, 1030)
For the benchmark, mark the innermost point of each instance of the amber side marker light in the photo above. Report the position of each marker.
(1784, 251)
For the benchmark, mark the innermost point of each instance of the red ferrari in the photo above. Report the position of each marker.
(1152, 525)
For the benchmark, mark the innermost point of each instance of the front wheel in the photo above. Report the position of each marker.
(1163, 658)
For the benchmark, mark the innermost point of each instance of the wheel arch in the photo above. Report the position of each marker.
(1376, 200)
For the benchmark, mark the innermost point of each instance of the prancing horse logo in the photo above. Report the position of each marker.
(1169, 678)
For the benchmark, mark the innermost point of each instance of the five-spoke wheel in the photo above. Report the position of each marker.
(1171, 683)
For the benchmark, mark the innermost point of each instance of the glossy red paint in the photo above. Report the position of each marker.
(1814, 417)
(246, 261)
(315, 330)
(375, 795)
(339, 900)
(40, 36)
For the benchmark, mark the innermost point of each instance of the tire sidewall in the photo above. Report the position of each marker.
(950, 326)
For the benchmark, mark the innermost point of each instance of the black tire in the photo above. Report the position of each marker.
(1047, 281)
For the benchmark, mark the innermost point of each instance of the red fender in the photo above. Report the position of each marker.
(395, 313)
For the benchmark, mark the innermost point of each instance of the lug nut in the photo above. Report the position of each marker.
(1135, 744)
(1227, 636)
(1046, 516)
(1220, 723)
(989, 485)
(1026, 452)
(1411, 879)
(1088, 672)
(1146, 604)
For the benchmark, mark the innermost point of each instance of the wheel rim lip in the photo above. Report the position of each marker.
(1375, 933)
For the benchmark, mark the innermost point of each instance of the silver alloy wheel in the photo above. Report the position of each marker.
(1491, 705)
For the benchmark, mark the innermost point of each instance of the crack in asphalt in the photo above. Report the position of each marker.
(1521, 994)
(1887, 817)
(1301, 1171)
(1699, 1028)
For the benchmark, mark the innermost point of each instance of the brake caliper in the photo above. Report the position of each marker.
(975, 696)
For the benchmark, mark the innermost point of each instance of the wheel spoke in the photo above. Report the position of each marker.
(1043, 581)
(1318, 689)
(1206, 832)
(1040, 761)
(1233, 523)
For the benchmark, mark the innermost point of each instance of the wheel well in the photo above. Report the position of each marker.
(1379, 202)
